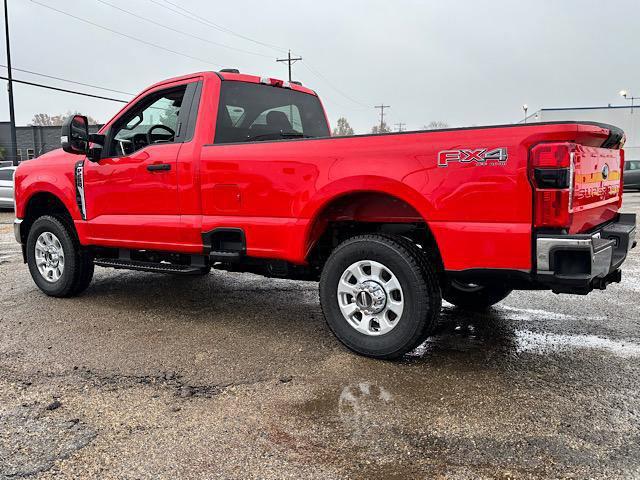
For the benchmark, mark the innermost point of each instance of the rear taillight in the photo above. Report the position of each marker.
(621, 176)
(551, 171)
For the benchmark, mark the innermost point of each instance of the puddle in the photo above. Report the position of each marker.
(500, 332)
(532, 313)
(527, 341)
(360, 408)
(518, 314)
(466, 339)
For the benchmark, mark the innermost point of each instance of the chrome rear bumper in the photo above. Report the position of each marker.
(580, 263)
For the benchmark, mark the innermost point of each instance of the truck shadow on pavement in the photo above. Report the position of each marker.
(285, 316)
(283, 307)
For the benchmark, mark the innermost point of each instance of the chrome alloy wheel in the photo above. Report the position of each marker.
(49, 257)
(370, 297)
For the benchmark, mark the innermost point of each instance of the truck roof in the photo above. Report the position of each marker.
(235, 77)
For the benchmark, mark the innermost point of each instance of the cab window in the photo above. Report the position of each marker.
(153, 120)
(252, 112)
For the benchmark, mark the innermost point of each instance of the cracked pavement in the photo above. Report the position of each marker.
(237, 376)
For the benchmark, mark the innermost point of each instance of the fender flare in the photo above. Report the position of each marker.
(66, 194)
(360, 184)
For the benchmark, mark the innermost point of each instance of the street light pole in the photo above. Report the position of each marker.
(13, 153)
(525, 107)
(627, 96)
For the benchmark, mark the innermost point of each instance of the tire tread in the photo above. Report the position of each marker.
(428, 287)
(82, 266)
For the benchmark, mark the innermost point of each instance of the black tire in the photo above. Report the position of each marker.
(420, 290)
(86, 268)
(203, 271)
(475, 298)
(78, 267)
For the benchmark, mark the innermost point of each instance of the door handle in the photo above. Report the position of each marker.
(159, 167)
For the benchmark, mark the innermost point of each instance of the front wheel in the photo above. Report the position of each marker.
(474, 297)
(380, 295)
(59, 266)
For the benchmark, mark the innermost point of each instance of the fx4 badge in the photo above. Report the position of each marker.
(481, 156)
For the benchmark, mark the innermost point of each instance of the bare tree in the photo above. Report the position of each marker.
(342, 128)
(384, 128)
(46, 120)
(436, 125)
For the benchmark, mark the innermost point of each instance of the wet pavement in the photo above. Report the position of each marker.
(237, 376)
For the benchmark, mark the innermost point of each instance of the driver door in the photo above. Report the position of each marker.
(132, 192)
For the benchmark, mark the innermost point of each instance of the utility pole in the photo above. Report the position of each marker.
(400, 125)
(382, 107)
(289, 60)
(13, 152)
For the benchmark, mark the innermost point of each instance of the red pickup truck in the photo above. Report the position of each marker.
(239, 172)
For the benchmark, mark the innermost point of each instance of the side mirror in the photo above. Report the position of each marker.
(96, 142)
(74, 136)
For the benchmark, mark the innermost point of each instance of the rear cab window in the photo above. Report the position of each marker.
(251, 112)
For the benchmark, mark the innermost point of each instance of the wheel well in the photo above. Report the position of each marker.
(369, 212)
(43, 203)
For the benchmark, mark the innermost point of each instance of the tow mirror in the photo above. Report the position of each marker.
(74, 136)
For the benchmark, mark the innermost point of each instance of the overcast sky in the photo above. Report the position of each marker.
(465, 62)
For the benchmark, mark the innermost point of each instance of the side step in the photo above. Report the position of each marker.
(148, 266)
(225, 256)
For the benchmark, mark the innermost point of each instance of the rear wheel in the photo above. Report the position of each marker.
(474, 297)
(59, 266)
(380, 295)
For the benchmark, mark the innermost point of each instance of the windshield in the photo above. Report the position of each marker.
(252, 112)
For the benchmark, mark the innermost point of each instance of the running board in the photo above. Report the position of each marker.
(148, 266)
(225, 256)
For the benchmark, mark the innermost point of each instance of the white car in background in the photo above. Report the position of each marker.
(6, 186)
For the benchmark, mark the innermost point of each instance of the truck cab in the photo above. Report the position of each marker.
(239, 172)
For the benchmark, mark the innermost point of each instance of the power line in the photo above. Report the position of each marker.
(44, 75)
(208, 62)
(198, 18)
(153, 22)
(329, 83)
(382, 107)
(67, 80)
(191, 16)
(65, 90)
(290, 61)
(400, 125)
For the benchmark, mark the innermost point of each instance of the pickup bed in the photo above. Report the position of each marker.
(238, 172)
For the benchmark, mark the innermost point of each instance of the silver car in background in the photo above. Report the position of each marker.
(631, 177)
(6, 186)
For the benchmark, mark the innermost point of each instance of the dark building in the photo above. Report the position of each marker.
(33, 141)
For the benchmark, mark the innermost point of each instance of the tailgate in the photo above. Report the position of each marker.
(596, 186)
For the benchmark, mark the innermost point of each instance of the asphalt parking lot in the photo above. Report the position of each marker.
(237, 376)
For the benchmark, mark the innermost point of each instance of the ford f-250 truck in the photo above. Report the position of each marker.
(239, 172)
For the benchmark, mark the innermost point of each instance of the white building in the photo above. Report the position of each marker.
(625, 117)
